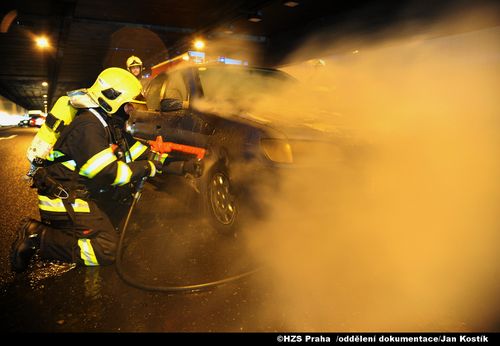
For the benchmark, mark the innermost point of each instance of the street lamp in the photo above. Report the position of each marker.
(290, 3)
(199, 44)
(42, 42)
(255, 17)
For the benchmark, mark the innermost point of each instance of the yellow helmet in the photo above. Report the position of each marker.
(133, 61)
(113, 88)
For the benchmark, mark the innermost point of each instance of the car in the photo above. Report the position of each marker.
(204, 105)
(36, 121)
(32, 121)
(24, 123)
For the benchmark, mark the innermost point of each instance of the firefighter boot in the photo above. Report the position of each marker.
(26, 244)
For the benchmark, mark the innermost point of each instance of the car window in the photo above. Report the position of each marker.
(155, 92)
(226, 83)
(176, 87)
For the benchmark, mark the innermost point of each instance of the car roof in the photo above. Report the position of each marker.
(220, 65)
(194, 67)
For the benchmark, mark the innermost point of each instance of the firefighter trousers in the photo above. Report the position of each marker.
(90, 241)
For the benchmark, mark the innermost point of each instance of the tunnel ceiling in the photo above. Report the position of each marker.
(88, 35)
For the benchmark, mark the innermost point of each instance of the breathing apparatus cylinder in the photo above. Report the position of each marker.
(61, 114)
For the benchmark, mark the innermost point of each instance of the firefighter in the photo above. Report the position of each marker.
(93, 156)
(134, 65)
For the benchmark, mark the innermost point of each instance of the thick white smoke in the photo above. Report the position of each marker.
(402, 233)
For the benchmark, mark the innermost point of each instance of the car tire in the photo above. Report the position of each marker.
(220, 200)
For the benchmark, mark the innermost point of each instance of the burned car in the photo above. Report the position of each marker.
(206, 106)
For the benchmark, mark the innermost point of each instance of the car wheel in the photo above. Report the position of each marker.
(221, 202)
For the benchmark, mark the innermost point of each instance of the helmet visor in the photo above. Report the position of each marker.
(111, 94)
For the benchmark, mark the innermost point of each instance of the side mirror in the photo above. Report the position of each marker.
(170, 105)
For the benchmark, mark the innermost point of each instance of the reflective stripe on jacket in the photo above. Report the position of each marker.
(89, 147)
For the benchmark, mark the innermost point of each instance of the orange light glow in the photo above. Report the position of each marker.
(42, 42)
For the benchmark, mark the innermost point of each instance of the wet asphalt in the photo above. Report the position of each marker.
(166, 245)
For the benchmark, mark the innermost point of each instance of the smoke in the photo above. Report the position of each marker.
(397, 229)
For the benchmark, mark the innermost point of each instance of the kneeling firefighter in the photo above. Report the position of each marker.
(93, 158)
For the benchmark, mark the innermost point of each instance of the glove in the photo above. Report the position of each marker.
(193, 167)
(154, 167)
(158, 166)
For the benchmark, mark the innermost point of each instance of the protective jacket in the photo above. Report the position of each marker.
(88, 156)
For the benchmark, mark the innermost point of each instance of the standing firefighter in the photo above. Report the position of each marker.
(92, 157)
(134, 65)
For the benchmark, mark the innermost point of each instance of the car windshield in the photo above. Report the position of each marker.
(242, 84)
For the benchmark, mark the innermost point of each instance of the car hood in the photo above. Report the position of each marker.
(311, 128)
(304, 124)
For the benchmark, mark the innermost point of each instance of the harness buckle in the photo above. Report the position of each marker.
(61, 193)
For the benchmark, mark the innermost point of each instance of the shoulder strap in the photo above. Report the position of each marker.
(64, 134)
(53, 123)
(104, 124)
(98, 116)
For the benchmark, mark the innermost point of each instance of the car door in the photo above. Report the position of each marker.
(176, 125)
(144, 120)
(182, 125)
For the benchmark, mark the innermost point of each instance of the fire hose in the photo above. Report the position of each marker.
(166, 147)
